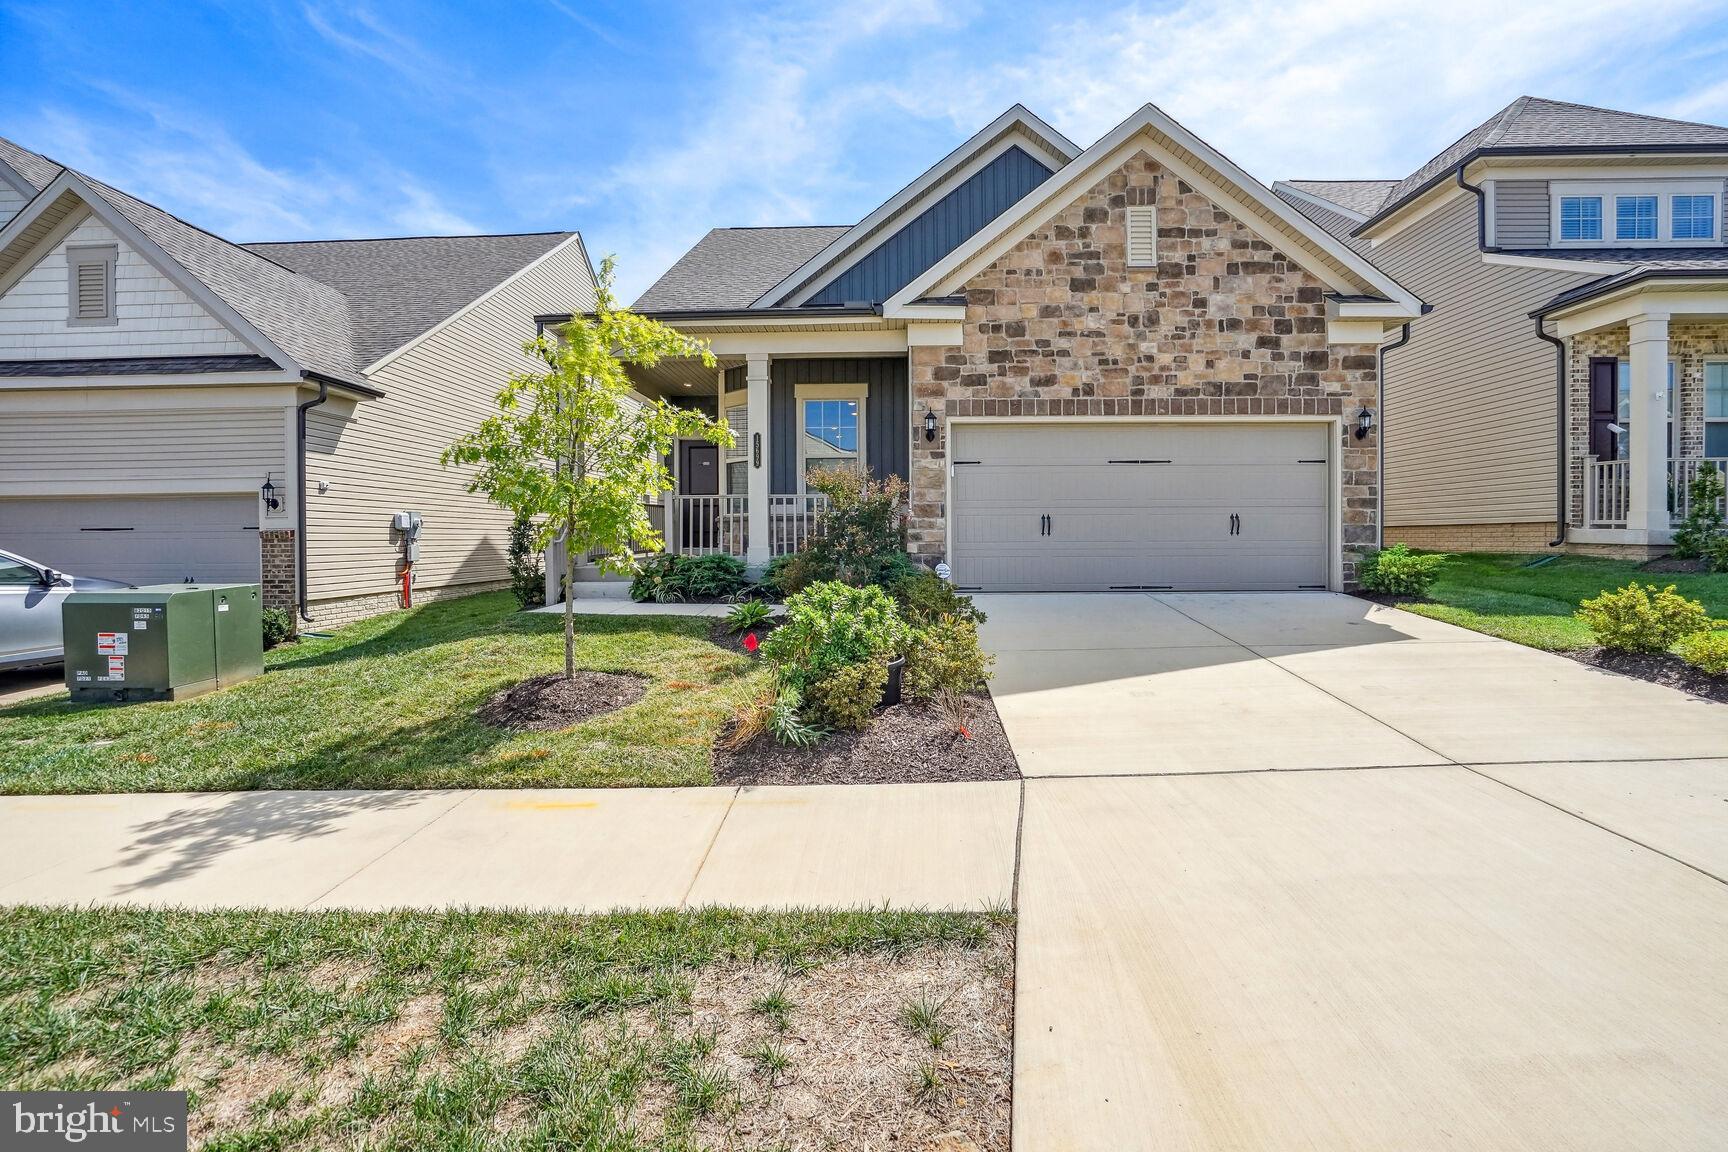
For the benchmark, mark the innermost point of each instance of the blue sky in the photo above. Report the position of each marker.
(643, 125)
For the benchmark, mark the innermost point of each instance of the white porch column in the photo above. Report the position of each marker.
(757, 456)
(1648, 453)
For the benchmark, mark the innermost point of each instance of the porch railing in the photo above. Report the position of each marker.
(701, 525)
(1608, 489)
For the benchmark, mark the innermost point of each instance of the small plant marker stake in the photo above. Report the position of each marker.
(751, 643)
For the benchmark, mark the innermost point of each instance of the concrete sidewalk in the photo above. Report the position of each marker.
(923, 845)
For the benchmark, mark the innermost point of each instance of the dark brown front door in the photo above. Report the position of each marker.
(699, 471)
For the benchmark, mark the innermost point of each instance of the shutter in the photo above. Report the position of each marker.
(1142, 236)
(1604, 404)
(92, 290)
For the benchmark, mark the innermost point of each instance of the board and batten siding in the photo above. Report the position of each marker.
(1469, 419)
(1521, 213)
(885, 429)
(382, 457)
(153, 316)
(105, 449)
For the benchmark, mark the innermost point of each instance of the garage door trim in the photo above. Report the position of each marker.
(1333, 425)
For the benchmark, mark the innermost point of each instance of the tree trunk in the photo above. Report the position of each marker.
(569, 604)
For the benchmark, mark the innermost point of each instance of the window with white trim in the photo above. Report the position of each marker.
(1644, 213)
(830, 427)
(1142, 228)
(1716, 409)
(90, 284)
(735, 474)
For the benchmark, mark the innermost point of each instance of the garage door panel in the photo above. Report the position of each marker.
(142, 540)
(1226, 506)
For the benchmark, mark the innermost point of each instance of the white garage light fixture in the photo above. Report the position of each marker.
(1364, 423)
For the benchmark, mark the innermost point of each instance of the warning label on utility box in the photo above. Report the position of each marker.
(111, 643)
(116, 667)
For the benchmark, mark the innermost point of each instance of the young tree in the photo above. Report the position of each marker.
(573, 451)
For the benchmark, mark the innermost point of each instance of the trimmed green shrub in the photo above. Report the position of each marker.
(830, 626)
(944, 656)
(1700, 531)
(1716, 554)
(1706, 651)
(847, 697)
(860, 537)
(278, 626)
(670, 579)
(1641, 618)
(925, 598)
(1397, 571)
(526, 564)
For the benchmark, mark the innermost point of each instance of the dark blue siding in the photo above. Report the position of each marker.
(887, 445)
(936, 231)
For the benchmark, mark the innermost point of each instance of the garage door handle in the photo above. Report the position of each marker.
(1235, 524)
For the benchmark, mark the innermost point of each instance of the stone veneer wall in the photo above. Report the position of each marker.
(1688, 344)
(1224, 325)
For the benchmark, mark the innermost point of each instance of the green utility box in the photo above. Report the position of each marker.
(164, 642)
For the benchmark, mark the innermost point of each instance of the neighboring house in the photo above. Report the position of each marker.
(1128, 366)
(1574, 370)
(176, 407)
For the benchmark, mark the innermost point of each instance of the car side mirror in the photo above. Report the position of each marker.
(50, 577)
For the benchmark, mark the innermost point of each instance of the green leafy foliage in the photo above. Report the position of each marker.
(1397, 571)
(830, 626)
(1707, 651)
(1700, 533)
(747, 615)
(526, 565)
(1641, 618)
(787, 724)
(944, 656)
(574, 449)
(672, 579)
(1716, 553)
(278, 626)
(925, 597)
(860, 536)
(847, 697)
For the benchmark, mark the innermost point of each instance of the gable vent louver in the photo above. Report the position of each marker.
(1142, 236)
(93, 291)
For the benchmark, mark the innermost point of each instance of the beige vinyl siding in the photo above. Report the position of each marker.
(1469, 413)
(1521, 214)
(384, 456)
(110, 452)
(153, 316)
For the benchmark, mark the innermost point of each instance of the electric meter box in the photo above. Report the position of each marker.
(163, 642)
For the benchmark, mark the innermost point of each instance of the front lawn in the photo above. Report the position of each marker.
(503, 1030)
(389, 703)
(1505, 596)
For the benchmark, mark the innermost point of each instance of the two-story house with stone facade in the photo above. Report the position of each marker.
(177, 407)
(1129, 366)
(1573, 371)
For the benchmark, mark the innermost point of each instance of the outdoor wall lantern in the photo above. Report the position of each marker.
(272, 502)
(1364, 423)
(929, 423)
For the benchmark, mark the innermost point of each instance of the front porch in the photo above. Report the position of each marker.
(1608, 492)
(701, 525)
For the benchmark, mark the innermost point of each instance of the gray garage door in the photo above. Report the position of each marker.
(1095, 507)
(142, 539)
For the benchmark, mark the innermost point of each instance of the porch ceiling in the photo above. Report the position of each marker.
(674, 378)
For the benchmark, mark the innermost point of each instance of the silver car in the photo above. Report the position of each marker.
(30, 599)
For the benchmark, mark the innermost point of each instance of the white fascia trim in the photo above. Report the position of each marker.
(1664, 297)
(457, 315)
(941, 172)
(1110, 151)
(744, 322)
(1548, 264)
(1660, 166)
(1281, 186)
(1415, 212)
(70, 181)
(163, 380)
(11, 175)
(943, 312)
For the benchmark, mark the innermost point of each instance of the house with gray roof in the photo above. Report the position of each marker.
(1129, 365)
(1571, 375)
(175, 406)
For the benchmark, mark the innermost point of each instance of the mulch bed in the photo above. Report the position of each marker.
(906, 744)
(722, 636)
(1659, 668)
(1666, 564)
(548, 703)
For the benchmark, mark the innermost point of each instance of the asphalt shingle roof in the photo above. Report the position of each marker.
(732, 267)
(1531, 124)
(1337, 224)
(1362, 197)
(399, 288)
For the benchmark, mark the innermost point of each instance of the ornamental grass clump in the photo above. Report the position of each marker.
(1643, 618)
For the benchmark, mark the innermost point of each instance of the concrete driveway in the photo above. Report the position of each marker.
(1489, 912)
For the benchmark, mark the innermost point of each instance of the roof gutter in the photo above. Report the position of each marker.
(1481, 209)
(300, 509)
(1561, 510)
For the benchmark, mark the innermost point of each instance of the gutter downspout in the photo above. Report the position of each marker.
(1380, 441)
(1562, 511)
(300, 525)
(1481, 212)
